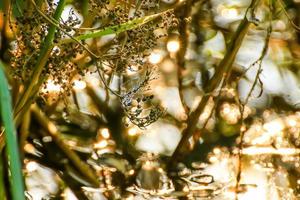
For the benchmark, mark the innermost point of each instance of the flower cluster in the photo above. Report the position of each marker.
(139, 106)
(61, 66)
(121, 53)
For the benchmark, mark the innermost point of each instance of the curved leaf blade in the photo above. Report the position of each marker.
(116, 29)
(12, 150)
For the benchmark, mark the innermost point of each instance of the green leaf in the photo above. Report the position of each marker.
(17, 8)
(12, 150)
(116, 29)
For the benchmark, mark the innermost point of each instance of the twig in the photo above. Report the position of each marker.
(259, 62)
(81, 166)
(297, 28)
(242, 105)
(216, 102)
(103, 79)
(223, 69)
(183, 26)
(99, 103)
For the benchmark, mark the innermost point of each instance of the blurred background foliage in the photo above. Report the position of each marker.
(150, 99)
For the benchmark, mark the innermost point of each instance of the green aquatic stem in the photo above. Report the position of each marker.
(116, 29)
(41, 61)
(12, 150)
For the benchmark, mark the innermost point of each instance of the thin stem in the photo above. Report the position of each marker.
(223, 69)
(55, 23)
(24, 131)
(81, 166)
(297, 28)
(242, 106)
(183, 38)
(116, 29)
(42, 59)
(216, 102)
(104, 81)
(18, 116)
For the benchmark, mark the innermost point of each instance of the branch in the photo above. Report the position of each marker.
(183, 27)
(81, 166)
(223, 69)
(297, 28)
(242, 105)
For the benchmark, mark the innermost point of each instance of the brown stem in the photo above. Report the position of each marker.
(183, 38)
(223, 69)
(24, 131)
(81, 166)
(242, 107)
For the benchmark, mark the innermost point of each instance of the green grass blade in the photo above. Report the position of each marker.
(116, 29)
(12, 150)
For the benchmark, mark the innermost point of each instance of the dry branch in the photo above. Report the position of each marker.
(223, 69)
